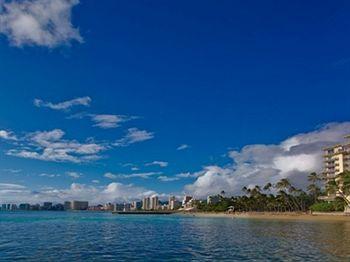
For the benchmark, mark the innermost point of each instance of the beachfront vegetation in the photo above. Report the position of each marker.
(285, 197)
(340, 186)
(333, 206)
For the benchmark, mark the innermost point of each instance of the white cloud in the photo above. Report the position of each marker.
(66, 105)
(141, 175)
(117, 192)
(113, 192)
(134, 135)
(135, 175)
(74, 175)
(104, 121)
(158, 163)
(45, 137)
(13, 171)
(189, 175)
(110, 176)
(4, 186)
(133, 167)
(38, 22)
(7, 135)
(49, 175)
(293, 158)
(95, 181)
(300, 163)
(167, 178)
(50, 146)
(109, 121)
(183, 147)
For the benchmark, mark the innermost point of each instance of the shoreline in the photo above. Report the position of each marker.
(316, 216)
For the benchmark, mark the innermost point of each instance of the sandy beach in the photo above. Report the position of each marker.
(338, 216)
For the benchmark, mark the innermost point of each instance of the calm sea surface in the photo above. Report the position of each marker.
(65, 236)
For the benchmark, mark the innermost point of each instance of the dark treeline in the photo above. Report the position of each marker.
(279, 197)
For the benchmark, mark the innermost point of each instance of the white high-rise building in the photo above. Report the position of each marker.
(154, 204)
(146, 203)
(336, 159)
(173, 203)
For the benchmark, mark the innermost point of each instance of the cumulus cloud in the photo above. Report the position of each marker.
(133, 136)
(182, 147)
(293, 158)
(64, 106)
(113, 192)
(7, 135)
(51, 146)
(158, 163)
(44, 23)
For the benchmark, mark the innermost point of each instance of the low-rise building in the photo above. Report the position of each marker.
(47, 206)
(108, 207)
(136, 205)
(127, 207)
(24, 207)
(118, 207)
(67, 205)
(186, 200)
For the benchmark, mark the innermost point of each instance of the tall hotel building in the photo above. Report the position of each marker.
(146, 203)
(336, 159)
(172, 203)
(80, 205)
(154, 203)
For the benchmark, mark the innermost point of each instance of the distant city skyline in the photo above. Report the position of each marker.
(146, 204)
(165, 99)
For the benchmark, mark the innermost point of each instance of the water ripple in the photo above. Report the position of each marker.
(50, 236)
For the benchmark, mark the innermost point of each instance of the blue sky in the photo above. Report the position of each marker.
(215, 77)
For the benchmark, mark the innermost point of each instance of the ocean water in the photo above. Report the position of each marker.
(88, 236)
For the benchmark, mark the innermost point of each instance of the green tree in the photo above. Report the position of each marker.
(340, 186)
(313, 188)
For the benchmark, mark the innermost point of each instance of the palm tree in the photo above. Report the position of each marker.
(287, 198)
(313, 178)
(340, 185)
(283, 184)
(267, 187)
(313, 188)
(314, 191)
